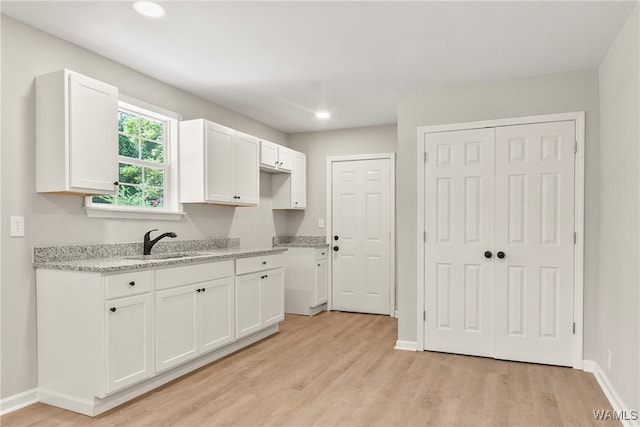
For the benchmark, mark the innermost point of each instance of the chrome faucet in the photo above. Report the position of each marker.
(148, 243)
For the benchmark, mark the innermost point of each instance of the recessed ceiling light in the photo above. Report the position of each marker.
(149, 8)
(323, 115)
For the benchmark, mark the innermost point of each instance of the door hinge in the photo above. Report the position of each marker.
(424, 316)
(575, 147)
(575, 237)
(424, 236)
(574, 328)
(426, 157)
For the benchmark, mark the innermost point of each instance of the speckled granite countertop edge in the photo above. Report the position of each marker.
(120, 264)
(299, 242)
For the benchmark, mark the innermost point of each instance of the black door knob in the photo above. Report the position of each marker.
(335, 237)
(488, 254)
(132, 283)
(336, 248)
(500, 255)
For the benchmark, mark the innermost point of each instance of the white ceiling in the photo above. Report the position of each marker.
(279, 62)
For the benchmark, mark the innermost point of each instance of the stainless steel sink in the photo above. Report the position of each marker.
(170, 255)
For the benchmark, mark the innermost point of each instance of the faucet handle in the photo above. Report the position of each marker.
(148, 233)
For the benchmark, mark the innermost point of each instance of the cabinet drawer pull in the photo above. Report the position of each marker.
(113, 309)
(198, 290)
(318, 265)
(132, 283)
(264, 277)
(204, 289)
(116, 183)
(264, 262)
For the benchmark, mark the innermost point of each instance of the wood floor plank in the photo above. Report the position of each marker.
(340, 369)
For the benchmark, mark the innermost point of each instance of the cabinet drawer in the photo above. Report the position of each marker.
(322, 253)
(258, 263)
(189, 274)
(126, 284)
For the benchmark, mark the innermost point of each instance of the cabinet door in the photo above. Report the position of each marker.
(268, 155)
(176, 325)
(93, 135)
(272, 296)
(299, 181)
(219, 165)
(129, 341)
(248, 314)
(320, 291)
(285, 159)
(216, 314)
(246, 170)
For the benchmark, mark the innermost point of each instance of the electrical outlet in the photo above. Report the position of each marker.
(609, 360)
(321, 223)
(16, 226)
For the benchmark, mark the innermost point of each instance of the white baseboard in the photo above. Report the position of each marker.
(609, 391)
(406, 345)
(18, 401)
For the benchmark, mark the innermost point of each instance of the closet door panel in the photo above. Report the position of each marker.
(459, 224)
(534, 218)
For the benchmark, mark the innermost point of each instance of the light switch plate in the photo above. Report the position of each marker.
(321, 223)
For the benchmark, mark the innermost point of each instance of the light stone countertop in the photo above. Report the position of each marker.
(126, 263)
(300, 242)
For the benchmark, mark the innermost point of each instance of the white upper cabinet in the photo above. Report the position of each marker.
(290, 191)
(275, 158)
(218, 165)
(285, 159)
(76, 134)
(246, 174)
(268, 156)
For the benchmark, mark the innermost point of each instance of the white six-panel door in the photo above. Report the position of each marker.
(361, 219)
(534, 196)
(459, 226)
(499, 217)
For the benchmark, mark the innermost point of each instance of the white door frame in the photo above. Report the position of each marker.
(392, 216)
(578, 311)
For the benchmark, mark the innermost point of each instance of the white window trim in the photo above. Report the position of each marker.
(174, 209)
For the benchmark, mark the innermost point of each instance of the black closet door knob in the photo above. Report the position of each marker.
(488, 254)
(500, 255)
(335, 237)
(336, 248)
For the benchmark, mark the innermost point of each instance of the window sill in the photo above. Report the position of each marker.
(133, 214)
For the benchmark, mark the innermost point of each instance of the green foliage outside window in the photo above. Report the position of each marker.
(141, 145)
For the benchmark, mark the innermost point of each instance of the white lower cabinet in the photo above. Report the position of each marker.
(193, 319)
(272, 296)
(106, 338)
(196, 316)
(248, 316)
(129, 341)
(306, 280)
(259, 293)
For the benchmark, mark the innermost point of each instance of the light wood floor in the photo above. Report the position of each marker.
(340, 369)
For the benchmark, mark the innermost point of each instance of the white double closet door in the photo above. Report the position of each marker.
(499, 251)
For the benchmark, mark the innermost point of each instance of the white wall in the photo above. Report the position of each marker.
(54, 219)
(558, 93)
(318, 146)
(617, 320)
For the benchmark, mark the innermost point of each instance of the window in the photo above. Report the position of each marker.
(146, 166)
